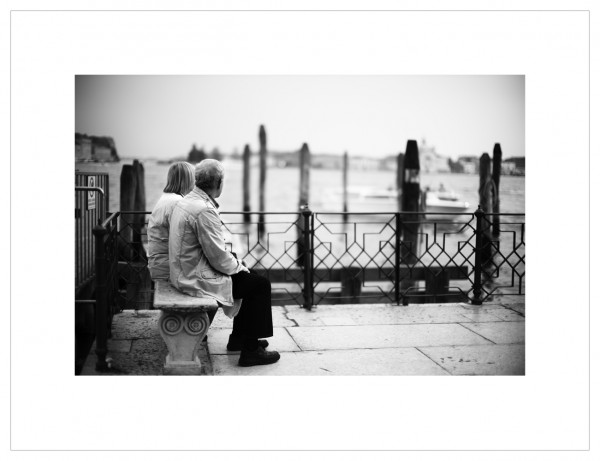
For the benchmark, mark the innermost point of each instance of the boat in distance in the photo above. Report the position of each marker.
(371, 200)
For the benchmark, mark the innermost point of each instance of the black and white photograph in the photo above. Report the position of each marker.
(329, 225)
(258, 230)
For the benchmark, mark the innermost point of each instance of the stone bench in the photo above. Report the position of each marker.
(183, 324)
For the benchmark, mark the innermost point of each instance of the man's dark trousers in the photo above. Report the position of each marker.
(254, 320)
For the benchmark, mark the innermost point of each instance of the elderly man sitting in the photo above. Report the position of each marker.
(200, 265)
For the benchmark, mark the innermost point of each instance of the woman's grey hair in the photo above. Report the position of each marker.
(180, 178)
(209, 174)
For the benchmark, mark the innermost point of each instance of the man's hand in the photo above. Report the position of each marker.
(243, 267)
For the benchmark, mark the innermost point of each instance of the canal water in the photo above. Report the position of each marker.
(282, 185)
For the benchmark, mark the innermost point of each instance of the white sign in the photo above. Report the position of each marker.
(91, 195)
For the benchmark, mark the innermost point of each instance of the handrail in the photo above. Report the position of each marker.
(97, 189)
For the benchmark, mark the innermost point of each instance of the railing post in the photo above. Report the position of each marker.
(308, 260)
(397, 259)
(101, 312)
(478, 269)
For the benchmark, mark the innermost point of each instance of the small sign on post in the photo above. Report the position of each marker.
(91, 195)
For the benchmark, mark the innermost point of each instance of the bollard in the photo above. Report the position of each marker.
(246, 184)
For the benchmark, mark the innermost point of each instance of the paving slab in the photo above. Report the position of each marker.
(480, 316)
(500, 332)
(355, 362)
(507, 315)
(383, 336)
(135, 324)
(119, 345)
(386, 315)
(280, 341)
(479, 359)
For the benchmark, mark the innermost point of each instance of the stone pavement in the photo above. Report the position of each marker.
(362, 339)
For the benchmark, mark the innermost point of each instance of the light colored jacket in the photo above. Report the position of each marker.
(200, 264)
(158, 235)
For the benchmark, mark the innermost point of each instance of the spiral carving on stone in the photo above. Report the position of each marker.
(171, 324)
(197, 324)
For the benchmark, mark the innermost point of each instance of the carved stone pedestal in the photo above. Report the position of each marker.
(183, 332)
(183, 323)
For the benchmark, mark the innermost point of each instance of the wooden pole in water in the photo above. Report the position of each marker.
(262, 137)
(486, 185)
(128, 186)
(485, 199)
(496, 176)
(411, 195)
(139, 205)
(345, 186)
(131, 250)
(246, 183)
(399, 178)
(304, 196)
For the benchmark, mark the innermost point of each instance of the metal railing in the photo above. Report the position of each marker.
(91, 205)
(379, 257)
(318, 258)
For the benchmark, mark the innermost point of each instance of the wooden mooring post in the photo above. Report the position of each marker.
(246, 183)
(497, 167)
(345, 186)
(399, 178)
(303, 201)
(411, 195)
(486, 200)
(132, 256)
(262, 137)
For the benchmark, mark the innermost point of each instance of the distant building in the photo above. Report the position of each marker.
(195, 155)
(390, 162)
(468, 164)
(328, 161)
(514, 166)
(95, 148)
(431, 161)
(363, 163)
(83, 148)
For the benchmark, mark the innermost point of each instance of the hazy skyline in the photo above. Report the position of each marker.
(162, 116)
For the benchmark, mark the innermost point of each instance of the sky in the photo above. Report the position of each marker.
(163, 116)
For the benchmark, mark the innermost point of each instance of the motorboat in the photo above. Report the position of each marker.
(359, 200)
(443, 201)
(373, 200)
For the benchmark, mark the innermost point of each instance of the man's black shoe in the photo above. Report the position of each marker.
(235, 343)
(258, 356)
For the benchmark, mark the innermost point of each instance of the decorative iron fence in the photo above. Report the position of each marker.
(375, 257)
(318, 258)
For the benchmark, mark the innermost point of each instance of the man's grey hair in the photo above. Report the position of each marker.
(209, 174)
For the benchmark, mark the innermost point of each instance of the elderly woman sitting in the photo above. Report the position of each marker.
(180, 181)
